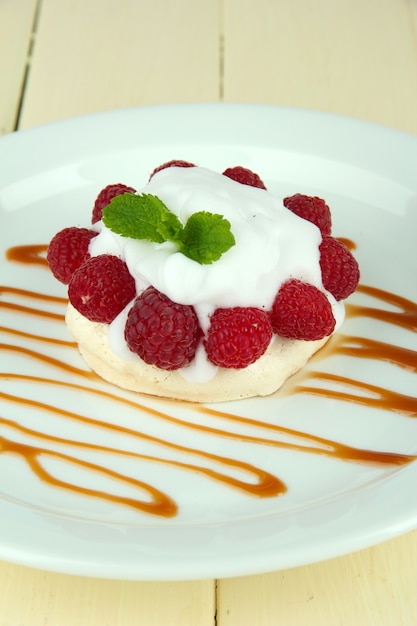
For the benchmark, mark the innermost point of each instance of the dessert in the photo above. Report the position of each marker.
(203, 286)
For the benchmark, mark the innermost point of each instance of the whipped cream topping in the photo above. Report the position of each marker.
(273, 245)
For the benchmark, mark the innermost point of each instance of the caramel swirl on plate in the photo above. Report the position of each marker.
(62, 373)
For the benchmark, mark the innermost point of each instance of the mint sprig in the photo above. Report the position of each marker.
(204, 237)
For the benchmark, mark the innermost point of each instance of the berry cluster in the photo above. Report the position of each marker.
(167, 334)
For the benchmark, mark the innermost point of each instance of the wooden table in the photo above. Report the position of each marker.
(68, 57)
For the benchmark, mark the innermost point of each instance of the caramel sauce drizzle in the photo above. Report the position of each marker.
(377, 397)
(159, 504)
(364, 348)
(34, 254)
(267, 484)
(33, 295)
(406, 316)
(259, 482)
(44, 358)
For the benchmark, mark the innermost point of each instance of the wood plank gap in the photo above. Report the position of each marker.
(216, 596)
(29, 56)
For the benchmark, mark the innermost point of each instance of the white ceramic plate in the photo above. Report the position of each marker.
(48, 180)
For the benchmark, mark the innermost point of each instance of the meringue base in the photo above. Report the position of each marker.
(283, 358)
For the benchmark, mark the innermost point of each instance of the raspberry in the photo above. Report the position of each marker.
(68, 250)
(162, 332)
(244, 176)
(301, 311)
(237, 336)
(339, 268)
(173, 163)
(105, 196)
(311, 208)
(101, 288)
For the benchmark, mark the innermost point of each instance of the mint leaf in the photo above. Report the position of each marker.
(206, 236)
(142, 217)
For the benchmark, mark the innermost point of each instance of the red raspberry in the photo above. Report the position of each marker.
(339, 268)
(311, 208)
(101, 288)
(162, 332)
(173, 163)
(301, 311)
(68, 250)
(244, 176)
(237, 336)
(105, 196)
